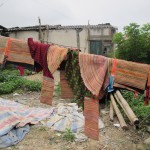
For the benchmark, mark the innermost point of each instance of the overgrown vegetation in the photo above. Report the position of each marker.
(137, 105)
(68, 135)
(133, 44)
(58, 89)
(73, 76)
(11, 81)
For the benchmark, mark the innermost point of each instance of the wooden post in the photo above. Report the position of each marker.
(118, 113)
(88, 36)
(126, 106)
(111, 112)
(40, 30)
(47, 31)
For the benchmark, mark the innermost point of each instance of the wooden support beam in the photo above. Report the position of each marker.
(128, 109)
(117, 99)
(118, 113)
(111, 112)
(40, 30)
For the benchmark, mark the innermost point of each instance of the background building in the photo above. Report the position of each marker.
(94, 39)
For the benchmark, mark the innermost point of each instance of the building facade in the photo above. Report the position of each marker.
(94, 39)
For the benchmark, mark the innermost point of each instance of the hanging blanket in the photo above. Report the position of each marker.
(39, 54)
(93, 71)
(3, 46)
(19, 52)
(15, 50)
(55, 56)
(131, 74)
(47, 90)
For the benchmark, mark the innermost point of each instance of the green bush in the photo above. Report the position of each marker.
(32, 85)
(27, 72)
(11, 81)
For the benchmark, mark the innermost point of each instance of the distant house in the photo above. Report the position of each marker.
(3, 31)
(94, 39)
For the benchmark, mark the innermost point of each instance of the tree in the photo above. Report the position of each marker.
(133, 43)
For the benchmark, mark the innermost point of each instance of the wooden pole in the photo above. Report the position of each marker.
(111, 112)
(88, 36)
(128, 109)
(117, 99)
(47, 31)
(118, 113)
(40, 30)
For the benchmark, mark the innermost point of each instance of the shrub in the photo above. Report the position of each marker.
(32, 85)
(11, 81)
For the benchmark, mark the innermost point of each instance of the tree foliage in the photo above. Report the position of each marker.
(133, 43)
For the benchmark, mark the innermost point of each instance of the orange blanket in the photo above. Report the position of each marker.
(131, 74)
(55, 56)
(93, 71)
(3, 47)
(15, 50)
(47, 90)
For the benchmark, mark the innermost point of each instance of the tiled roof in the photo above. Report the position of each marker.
(59, 27)
(3, 28)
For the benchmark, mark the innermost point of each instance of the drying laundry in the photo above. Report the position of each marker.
(3, 47)
(13, 120)
(55, 56)
(131, 74)
(15, 50)
(19, 51)
(39, 54)
(93, 71)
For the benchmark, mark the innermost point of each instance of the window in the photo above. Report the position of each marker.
(96, 47)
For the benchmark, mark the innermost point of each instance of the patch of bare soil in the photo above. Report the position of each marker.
(43, 138)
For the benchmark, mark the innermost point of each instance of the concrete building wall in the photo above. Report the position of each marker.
(25, 35)
(67, 37)
(63, 37)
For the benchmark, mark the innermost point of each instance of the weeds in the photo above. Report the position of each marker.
(58, 89)
(68, 135)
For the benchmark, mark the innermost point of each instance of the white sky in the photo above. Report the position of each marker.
(74, 12)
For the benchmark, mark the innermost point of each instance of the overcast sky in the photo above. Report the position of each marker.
(74, 12)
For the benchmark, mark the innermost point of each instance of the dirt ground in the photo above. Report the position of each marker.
(43, 138)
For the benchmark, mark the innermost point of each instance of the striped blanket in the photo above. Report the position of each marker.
(3, 46)
(13, 114)
(131, 74)
(47, 90)
(19, 52)
(55, 56)
(93, 71)
(16, 50)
